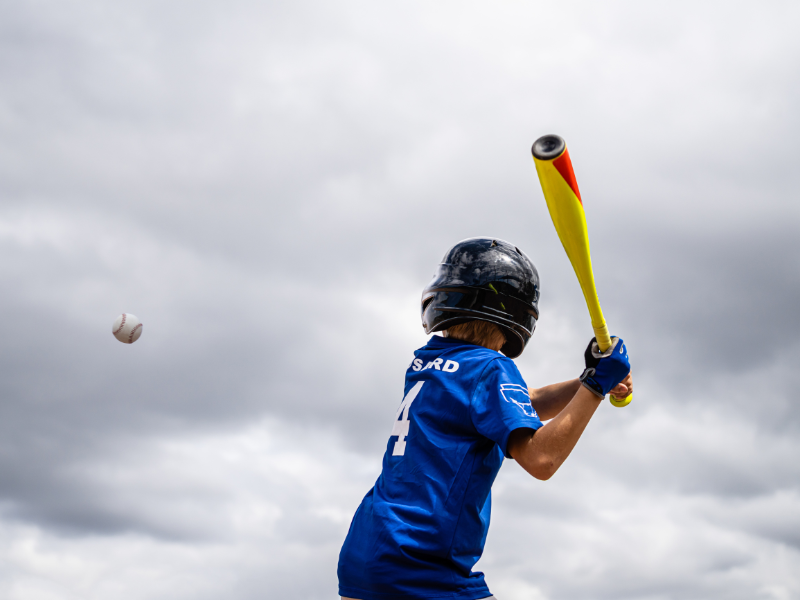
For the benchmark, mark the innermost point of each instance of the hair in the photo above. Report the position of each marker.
(482, 333)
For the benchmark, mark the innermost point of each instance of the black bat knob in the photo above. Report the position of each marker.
(548, 147)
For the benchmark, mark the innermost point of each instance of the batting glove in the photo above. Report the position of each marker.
(604, 370)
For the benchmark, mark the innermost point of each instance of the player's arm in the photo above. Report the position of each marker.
(543, 452)
(550, 400)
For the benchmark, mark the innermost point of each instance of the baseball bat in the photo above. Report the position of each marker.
(551, 157)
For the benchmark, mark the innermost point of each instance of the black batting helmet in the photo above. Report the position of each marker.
(484, 279)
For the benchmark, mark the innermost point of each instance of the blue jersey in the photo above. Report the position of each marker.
(422, 527)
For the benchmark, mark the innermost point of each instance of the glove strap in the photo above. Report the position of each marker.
(591, 384)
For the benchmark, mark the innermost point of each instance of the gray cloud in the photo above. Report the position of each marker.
(269, 187)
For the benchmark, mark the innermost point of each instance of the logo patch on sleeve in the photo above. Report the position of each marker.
(518, 394)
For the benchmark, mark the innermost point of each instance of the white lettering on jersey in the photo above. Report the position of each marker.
(436, 364)
(518, 394)
(400, 428)
(450, 366)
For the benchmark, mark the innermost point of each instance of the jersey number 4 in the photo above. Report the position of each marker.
(400, 428)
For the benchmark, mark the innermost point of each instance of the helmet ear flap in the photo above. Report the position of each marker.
(426, 301)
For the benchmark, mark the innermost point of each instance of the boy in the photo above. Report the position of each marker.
(422, 527)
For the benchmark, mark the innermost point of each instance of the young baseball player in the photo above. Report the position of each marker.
(422, 527)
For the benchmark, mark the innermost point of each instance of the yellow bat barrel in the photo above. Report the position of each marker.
(564, 202)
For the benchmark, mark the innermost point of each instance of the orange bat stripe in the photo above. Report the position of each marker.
(564, 166)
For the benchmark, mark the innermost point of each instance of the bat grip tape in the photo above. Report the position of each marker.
(603, 337)
(604, 342)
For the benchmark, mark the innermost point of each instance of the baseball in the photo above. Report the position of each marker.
(127, 328)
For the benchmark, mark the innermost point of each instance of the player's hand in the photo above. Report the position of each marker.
(605, 370)
(623, 389)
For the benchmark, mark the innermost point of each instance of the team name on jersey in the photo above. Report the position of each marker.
(449, 366)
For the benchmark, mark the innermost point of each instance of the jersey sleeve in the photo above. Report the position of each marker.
(501, 404)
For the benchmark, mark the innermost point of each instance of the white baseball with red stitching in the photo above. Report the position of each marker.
(127, 328)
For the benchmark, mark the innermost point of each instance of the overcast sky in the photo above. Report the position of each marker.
(268, 186)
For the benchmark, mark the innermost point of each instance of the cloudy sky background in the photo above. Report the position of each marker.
(268, 186)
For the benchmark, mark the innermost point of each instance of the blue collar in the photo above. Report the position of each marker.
(438, 341)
